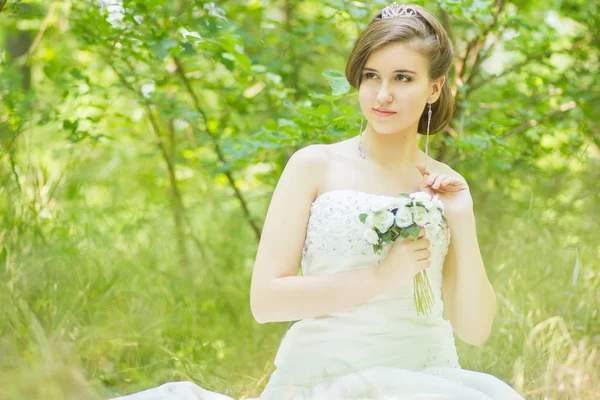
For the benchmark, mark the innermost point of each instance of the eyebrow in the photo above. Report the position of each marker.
(398, 70)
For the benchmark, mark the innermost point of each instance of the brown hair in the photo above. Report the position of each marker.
(424, 34)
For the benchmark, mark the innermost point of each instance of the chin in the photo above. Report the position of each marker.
(387, 129)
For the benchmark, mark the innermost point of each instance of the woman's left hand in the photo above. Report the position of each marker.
(452, 191)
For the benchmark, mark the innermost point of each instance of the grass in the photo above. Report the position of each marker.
(95, 302)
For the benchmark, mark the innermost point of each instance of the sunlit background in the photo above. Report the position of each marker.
(140, 142)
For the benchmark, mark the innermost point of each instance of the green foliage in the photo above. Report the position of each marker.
(139, 147)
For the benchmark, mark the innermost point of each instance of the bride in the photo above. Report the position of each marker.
(358, 334)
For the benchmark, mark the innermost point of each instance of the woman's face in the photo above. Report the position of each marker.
(396, 78)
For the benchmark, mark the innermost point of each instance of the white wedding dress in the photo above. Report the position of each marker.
(381, 349)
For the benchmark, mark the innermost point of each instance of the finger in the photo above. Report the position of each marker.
(421, 244)
(438, 181)
(446, 181)
(448, 186)
(423, 264)
(431, 178)
(421, 233)
(423, 254)
(422, 169)
(455, 186)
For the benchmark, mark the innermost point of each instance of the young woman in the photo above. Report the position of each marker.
(358, 334)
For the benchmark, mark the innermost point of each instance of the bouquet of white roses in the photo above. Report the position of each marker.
(404, 216)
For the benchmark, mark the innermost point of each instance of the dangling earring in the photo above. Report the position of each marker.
(427, 142)
(361, 149)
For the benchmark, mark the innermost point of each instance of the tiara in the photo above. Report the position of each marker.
(395, 10)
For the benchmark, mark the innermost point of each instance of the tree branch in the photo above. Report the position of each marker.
(480, 39)
(217, 146)
(42, 30)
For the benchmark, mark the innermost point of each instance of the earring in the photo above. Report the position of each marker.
(361, 149)
(427, 142)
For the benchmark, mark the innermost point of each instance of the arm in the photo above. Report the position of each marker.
(277, 294)
(469, 297)
(293, 298)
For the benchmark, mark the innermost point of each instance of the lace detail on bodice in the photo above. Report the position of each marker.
(334, 228)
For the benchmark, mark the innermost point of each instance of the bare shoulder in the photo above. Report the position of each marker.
(446, 169)
(313, 155)
(309, 164)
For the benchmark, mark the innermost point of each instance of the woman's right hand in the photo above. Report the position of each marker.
(405, 259)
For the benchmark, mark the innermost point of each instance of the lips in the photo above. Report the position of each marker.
(382, 113)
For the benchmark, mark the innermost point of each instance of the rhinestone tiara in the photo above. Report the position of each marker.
(396, 10)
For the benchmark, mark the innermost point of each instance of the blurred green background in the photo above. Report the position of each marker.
(140, 142)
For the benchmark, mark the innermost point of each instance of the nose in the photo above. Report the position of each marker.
(384, 96)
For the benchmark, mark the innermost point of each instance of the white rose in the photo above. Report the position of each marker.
(422, 197)
(382, 220)
(400, 202)
(432, 230)
(380, 205)
(404, 217)
(371, 236)
(437, 202)
(435, 216)
(420, 215)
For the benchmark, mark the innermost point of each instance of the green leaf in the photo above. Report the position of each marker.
(362, 218)
(161, 49)
(414, 230)
(235, 51)
(337, 81)
(72, 126)
(332, 73)
(187, 49)
(227, 61)
(76, 74)
(321, 96)
(387, 237)
(339, 87)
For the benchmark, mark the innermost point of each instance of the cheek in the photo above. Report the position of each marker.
(366, 96)
(365, 90)
(414, 93)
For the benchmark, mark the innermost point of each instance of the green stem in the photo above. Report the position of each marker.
(423, 294)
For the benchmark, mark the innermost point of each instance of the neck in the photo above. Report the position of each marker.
(394, 151)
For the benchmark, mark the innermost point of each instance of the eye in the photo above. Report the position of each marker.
(400, 77)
